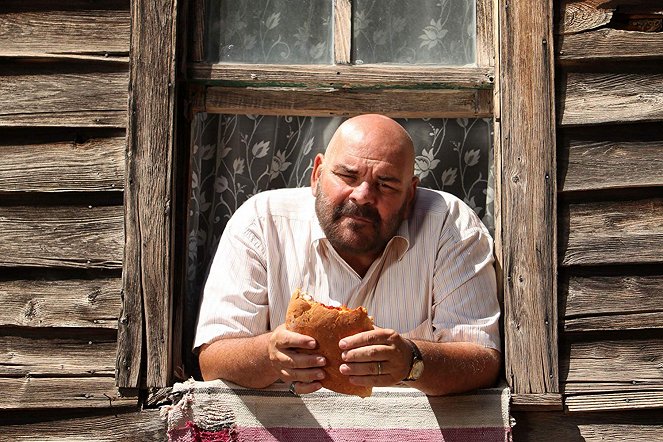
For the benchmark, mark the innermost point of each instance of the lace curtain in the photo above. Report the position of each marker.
(301, 31)
(236, 156)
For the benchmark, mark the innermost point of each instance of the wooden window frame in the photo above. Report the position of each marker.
(513, 84)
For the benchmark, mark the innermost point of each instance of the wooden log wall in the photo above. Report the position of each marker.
(63, 115)
(609, 96)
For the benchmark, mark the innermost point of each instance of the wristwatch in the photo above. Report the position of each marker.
(417, 365)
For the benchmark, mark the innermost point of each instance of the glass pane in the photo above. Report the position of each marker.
(270, 31)
(441, 32)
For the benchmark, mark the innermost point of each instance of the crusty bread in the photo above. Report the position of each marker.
(328, 325)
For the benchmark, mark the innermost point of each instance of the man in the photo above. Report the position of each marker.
(420, 261)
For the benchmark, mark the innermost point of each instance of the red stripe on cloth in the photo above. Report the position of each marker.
(279, 434)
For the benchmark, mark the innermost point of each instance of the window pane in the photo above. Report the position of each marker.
(441, 32)
(270, 31)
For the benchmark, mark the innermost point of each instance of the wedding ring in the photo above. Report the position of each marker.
(379, 368)
(291, 389)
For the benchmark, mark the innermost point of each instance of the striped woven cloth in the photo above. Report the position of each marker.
(220, 411)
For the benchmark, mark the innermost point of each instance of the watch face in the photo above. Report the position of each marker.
(417, 370)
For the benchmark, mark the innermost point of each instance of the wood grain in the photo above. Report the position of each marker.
(75, 392)
(143, 425)
(594, 165)
(63, 95)
(61, 303)
(528, 196)
(598, 98)
(96, 164)
(306, 102)
(583, 15)
(69, 31)
(342, 76)
(627, 361)
(619, 232)
(635, 400)
(342, 31)
(610, 46)
(643, 425)
(149, 199)
(485, 33)
(69, 237)
(55, 357)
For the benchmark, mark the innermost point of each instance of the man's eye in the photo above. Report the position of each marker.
(387, 187)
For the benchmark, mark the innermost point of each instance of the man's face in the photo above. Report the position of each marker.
(362, 196)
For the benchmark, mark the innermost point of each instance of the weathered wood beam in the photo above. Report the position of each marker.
(69, 237)
(144, 425)
(612, 232)
(96, 164)
(643, 425)
(58, 31)
(599, 98)
(74, 392)
(396, 103)
(610, 46)
(607, 164)
(344, 76)
(62, 303)
(342, 31)
(485, 16)
(75, 95)
(46, 357)
(149, 198)
(528, 195)
(578, 16)
(632, 400)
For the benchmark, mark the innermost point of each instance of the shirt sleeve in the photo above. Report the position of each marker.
(234, 301)
(465, 305)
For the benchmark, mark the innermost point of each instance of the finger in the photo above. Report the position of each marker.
(288, 339)
(373, 368)
(367, 354)
(302, 375)
(371, 337)
(293, 359)
(306, 387)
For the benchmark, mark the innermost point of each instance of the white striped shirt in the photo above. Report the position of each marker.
(435, 280)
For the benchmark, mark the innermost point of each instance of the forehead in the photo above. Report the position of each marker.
(376, 150)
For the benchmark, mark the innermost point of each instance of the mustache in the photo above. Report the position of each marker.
(352, 209)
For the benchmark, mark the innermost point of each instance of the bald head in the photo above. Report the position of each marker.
(377, 137)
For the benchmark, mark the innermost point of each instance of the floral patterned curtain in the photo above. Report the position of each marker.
(236, 156)
(441, 32)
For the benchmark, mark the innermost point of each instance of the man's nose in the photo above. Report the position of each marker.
(364, 193)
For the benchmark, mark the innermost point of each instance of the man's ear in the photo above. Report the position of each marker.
(315, 174)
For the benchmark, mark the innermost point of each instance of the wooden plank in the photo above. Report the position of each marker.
(148, 252)
(56, 357)
(143, 425)
(528, 193)
(598, 98)
(612, 294)
(396, 103)
(634, 400)
(75, 392)
(344, 76)
(618, 164)
(69, 31)
(537, 401)
(631, 321)
(610, 45)
(583, 15)
(55, 95)
(612, 232)
(96, 164)
(633, 426)
(485, 33)
(198, 14)
(342, 31)
(71, 237)
(625, 361)
(575, 388)
(61, 303)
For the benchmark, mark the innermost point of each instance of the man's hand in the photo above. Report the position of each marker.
(376, 358)
(293, 366)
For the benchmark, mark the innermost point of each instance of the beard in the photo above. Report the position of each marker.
(354, 237)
